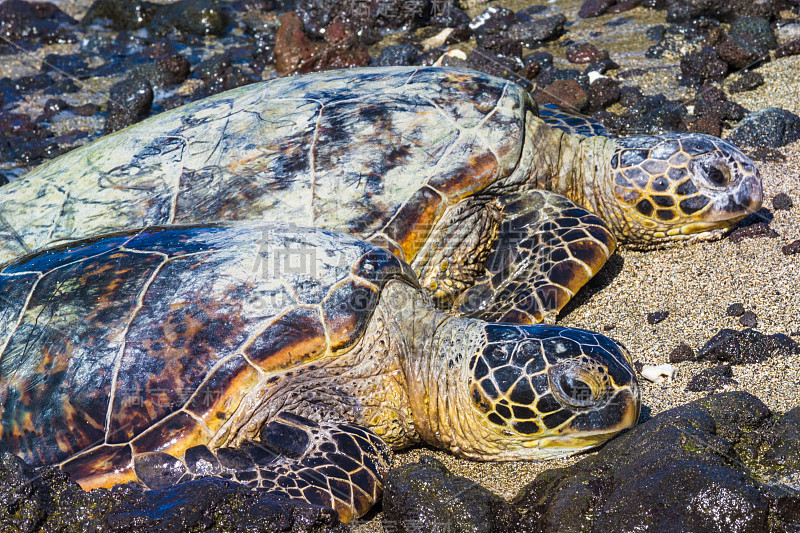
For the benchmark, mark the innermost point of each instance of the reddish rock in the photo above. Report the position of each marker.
(293, 50)
(735, 53)
(295, 53)
(700, 67)
(595, 8)
(342, 50)
(585, 53)
(708, 124)
(564, 93)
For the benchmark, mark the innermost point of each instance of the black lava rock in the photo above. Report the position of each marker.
(397, 54)
(769, 127)
(682, 352)
(447, 15)
(712, 100)
(220, 74)
(193, 17)
(756, 32)
(722, 10)
(428, 496)
(74, 64)
(792, 48)
(601, 67)
(748, 81)
(713, 379)
(51, 108)
(167, 72)
(366, 19)
(23, 140)
(656, 317)
(34, 22)
(216, 504)
(782, 202)
(595, 8)
(128, 15)
(752, 231)
(494, 20)
(735, 309)
(749, 41)
(46, 500)
(491, 63)
(500, 45)
(748, 319)
(745, 347)
(585, 53)
(603, 93)
(129, 102)
(676, 472)
(792, 248)
(701, 67)
(666, 119)
(775, 446)
(534, 32)
(630, 96)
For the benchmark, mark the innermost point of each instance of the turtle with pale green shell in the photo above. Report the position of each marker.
(446, 168)
(290, 360)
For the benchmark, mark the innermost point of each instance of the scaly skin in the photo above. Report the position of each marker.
(678, 188)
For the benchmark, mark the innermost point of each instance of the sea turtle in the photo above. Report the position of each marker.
(430, 163)
(283, 358)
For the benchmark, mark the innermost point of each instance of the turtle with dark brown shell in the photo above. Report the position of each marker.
(287, 359)
(446, 168)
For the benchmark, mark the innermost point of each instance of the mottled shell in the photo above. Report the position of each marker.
(149, 340)
(311, 149)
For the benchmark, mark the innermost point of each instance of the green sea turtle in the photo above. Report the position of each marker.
(430, 163)
(283, 358)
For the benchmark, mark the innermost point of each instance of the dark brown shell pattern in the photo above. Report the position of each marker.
(149, 340)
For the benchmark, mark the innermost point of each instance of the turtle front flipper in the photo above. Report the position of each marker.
(333, 464)
(546, 249)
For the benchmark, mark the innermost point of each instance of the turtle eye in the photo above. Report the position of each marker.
(575, 391)
(578, 383)
(718, 177)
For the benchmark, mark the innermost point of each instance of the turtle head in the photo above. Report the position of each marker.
(532, 392)
(680, 187)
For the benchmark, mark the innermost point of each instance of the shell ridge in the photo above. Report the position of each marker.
(441, 162)
(22, 310)
(176, 189)
(88, 451)
(408, 80)
(195, 417)
(479, 128)
(312, 164)
(121, 351)
(59, 215)
(214, 152)
(8, 227)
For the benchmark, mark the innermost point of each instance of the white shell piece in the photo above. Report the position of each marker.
(659, 373)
